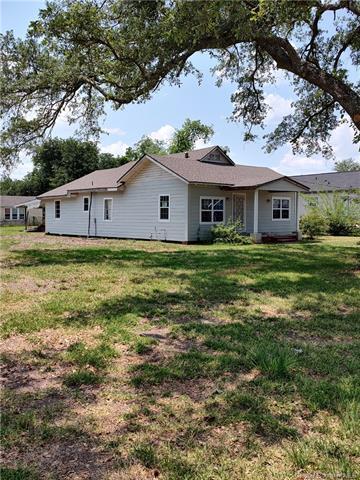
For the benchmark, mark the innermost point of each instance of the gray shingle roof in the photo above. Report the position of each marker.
(194, 171)
(187, 166)
(98, 179)
(13, 200)
(330, 181)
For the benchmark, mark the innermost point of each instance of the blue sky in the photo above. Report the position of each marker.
(171, 105)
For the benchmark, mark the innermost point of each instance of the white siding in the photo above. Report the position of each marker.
(266, 224)
(135, 210)
(198, 231)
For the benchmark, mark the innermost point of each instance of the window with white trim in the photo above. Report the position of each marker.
(86, 204)
(7, 213)
(212, 209)
(108, 209)
(21, 213)
(57, 207)
(14, 213)
(164, 208)
(281, 208)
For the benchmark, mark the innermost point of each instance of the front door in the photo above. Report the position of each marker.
(239, 212)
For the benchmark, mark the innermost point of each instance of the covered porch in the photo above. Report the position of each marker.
(268, 213)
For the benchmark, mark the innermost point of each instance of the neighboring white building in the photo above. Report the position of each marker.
(177, 197)
(13, 211)
(346, 183)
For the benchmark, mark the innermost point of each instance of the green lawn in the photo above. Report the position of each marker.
(141, 360)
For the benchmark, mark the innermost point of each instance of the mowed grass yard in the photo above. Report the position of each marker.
(141, 360)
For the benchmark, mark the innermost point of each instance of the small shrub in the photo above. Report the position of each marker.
(342, 215)
(313, 224)
(97, 357)
(82, 377)
(333, 212)
(231, 232)
(144, 345)
(274, 360)
(300, 455)
(350, 416)
(17, 474)
(145, 454)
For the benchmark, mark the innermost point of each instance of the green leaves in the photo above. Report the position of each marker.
(185, 138)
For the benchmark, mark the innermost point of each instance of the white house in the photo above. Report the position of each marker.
(176, 197)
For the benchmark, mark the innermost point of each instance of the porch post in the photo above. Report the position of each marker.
(298, 232)
(256, 236)
(256, 211)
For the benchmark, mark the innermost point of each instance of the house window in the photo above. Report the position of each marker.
(281, 208)
(7, 213)
(21, 213)
(86, 204)
(212, 209)
(14, 213)
(164, 208)
(108, 209)
(57, 208)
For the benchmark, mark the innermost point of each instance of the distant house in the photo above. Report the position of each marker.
(10, 214)
(19, 209)
(176, 197)
(347, 183)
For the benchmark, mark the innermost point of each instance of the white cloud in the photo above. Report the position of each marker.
(116, 148)
(200, 144)
(25, 166)
(279, 107)
(342, 141)
(114, 131)
(164, 133)
(297, 165)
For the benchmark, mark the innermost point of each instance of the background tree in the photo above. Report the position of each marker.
(348, 165)
(185, 138)
(80, 54)
(145, 145)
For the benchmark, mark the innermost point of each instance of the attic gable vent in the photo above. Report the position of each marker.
(217, 158)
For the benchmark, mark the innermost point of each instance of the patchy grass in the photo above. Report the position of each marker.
(138, 360)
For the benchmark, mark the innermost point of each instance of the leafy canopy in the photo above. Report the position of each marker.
(81, 54)
(347, 165)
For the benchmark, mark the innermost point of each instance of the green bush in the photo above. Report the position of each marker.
(231, 232)
(276, 361)
(313, 224)
(98, 357)
(82, 377)
(341, 214)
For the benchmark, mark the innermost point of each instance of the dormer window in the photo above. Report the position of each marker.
(217, 157)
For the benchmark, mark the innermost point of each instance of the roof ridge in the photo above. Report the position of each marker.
(324, 173)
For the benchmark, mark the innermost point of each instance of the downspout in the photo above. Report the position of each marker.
(89, 215)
